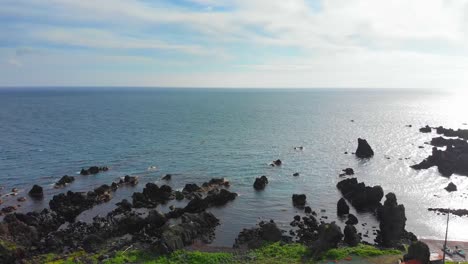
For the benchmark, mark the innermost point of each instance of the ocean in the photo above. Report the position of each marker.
(198, 134)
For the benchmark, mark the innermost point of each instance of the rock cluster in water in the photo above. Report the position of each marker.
(454, 159)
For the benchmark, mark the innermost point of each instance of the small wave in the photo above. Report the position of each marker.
(152, 168)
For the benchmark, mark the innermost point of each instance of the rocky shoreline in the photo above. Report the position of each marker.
(138, 223)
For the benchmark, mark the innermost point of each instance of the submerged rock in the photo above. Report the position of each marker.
(348, 171)
(93, 170)
(277, 163)
(260, 183)
(167, 177)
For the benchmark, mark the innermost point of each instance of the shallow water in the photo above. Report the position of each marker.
(200, 134)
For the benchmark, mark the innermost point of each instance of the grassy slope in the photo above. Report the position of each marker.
(274, 253)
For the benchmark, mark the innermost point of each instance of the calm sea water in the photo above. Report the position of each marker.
(200, 134)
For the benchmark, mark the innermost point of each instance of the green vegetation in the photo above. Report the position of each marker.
(180, 256)
(272, 253)
(361, 251)
(277, 253)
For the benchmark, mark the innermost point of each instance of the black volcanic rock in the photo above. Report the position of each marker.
(36, 192)
(299, 200)
(351, 236)
(449, 161)
(252, 238)
(329, 235)
(342, 207)
(260, 183)
(348, 171)
(392, 222)
(426, 129)
(451, 187)
(362, 197)
(65, 180)
(352, 220)
(364, 150)
(167, 177)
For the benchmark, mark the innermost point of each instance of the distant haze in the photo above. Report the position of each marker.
(238, 43)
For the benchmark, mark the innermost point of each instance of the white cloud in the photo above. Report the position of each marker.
(340, 43)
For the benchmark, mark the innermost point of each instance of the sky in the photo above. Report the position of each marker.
(237, 43)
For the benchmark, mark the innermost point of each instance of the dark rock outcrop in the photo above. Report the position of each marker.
(362, 197)
(392, 222)
(64, 181)
(296, 174)
(352, 220)
(348, 171)
(418, 251)
(458, 212)
(451, 187)
(426, 129)
(277, 163)
(342, 207)
(329, 235)
(364, 150)
(256, 237)
(351, 236)
(260, 183)
(36, 192)
(167, 177)
(449, 161)
(299, 200)
(448, 132)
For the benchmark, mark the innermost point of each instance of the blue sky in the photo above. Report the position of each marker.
(237, 43)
